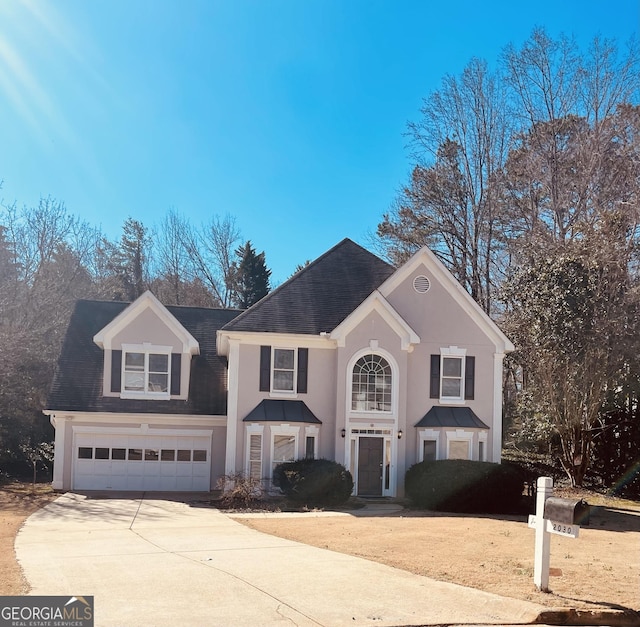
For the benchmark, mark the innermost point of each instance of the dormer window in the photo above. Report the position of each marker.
(146, 371)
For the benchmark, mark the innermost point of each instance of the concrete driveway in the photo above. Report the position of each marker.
(150, 561)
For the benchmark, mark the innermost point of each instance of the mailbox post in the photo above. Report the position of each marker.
(553, 515)
(543, 539)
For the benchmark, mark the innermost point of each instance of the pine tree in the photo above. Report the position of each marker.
(250, 277)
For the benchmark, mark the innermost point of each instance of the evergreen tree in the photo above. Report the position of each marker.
(250, 277)
(123, 266)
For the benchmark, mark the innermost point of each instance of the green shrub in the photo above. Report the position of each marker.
(456, 485)
(314, 481)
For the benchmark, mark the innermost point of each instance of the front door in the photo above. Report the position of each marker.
(370, 466)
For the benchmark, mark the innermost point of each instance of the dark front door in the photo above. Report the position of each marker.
(370, 466)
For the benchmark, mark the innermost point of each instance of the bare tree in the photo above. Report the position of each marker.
(571, 190)
(210, 250)
(459, 144)
(42, 273)
(560, 157)
(171, 259)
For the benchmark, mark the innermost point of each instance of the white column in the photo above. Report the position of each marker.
(232, 406)
(496, 428)
(60, 425)
(543, 537)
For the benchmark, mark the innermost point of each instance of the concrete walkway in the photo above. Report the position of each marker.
(154, 562)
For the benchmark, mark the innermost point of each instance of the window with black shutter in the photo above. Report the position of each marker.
(265, 368)
(434, 387)
(448, 381)
(469, 378)
(116, 371)
(283, 370)
(176, 371)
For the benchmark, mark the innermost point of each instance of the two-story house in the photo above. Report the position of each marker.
(350, 359)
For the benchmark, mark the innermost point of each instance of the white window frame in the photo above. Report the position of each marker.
(254, 430)
(276, 391)
(383, 413)
(431, 435)
(283, 430)
(460, 435)
(147, 349)
(453, 352)
(482, 439)
(311, 431)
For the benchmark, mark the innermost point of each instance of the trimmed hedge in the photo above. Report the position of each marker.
(314, 481)
(456, 485)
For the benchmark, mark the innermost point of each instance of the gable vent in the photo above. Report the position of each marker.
(421, 284)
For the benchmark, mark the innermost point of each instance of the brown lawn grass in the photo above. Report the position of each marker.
(600, 569)
(18, 501)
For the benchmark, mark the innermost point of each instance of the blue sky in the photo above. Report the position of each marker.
(287, 114)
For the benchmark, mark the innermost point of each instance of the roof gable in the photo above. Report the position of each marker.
(319, 297)
(377, 302)
(147, 301)
(428, 259)
(77, 384)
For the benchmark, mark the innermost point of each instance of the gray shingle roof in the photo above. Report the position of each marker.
(77, 384)
(320, 296)
(458, 417)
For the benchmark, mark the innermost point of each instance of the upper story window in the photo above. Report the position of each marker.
(371, 384)
(451, 380)
(283, 371)
(146, 371)
(452, 375)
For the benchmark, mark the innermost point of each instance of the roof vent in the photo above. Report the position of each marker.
(421, 284)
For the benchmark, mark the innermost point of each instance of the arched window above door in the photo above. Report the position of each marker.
(372, 384)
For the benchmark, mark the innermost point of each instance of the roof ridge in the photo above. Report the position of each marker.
(302, 272)
(101, 301)
(200, 307)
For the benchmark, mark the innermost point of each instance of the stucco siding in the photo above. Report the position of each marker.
(218, 445)
(436, 316)
(147, 327)
(319, 398)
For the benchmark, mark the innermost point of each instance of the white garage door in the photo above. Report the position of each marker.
(141, 462)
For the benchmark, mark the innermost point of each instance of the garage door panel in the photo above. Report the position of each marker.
(135, 469)
(119, 468)
(200, 469)
(151, 469)
(184, 469)
(102, 468)
(168, 469)
(141, 462)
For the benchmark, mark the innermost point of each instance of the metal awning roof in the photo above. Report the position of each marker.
(275, 410)
(457, 417)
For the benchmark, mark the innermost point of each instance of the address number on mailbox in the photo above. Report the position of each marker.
(561, 529)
